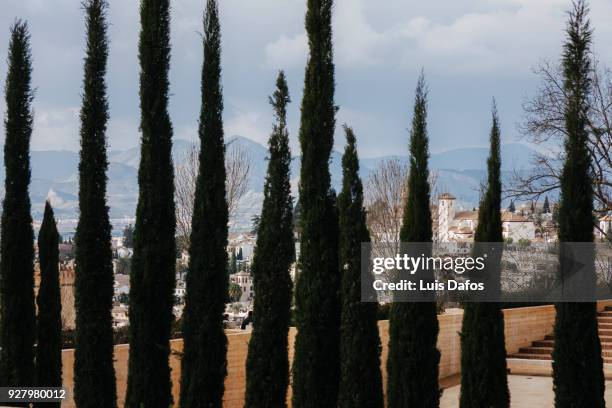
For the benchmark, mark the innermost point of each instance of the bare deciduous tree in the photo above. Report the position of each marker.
(385, 194)
(544, 126)
(237, 169)
(386, 190)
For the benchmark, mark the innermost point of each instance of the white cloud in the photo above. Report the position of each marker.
(379, 47)
(59, 128)
(55, 127)
(287, 52)
(494, 38)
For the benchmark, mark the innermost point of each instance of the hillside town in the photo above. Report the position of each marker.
(525, 223)
(528, 222)
(240, 296)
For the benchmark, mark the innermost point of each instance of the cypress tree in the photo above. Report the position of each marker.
(511, 207)
(94, 374)
(577, 363)
(49, 328)
(152, 277)
(17, 311)
(204, 364)
(412, 364)
(360, 379)
(316, 364)
(484, 380)
(267, 365)
(239, 257)
(233, 263)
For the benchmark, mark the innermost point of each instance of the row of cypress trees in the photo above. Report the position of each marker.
(20, 328)
(577, 361)
(578, 376)
(337, 349)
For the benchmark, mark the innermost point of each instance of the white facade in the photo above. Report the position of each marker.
(446, 214)
(120, 316)
(517, 230)
(245, 281)
(461, 225)
(180, 289)
(605, 227)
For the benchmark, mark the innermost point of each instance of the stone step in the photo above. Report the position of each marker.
(531, 356)
(542, 349)
(543, 343)
(535, 350)
(546, 357)
(605, 313)
(605, 339)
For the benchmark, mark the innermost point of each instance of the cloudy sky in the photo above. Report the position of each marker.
(471, 50)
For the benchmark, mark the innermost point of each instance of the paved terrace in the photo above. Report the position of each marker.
(526, 392)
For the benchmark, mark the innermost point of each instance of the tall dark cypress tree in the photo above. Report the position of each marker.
(49, 301)
(267, 365)
(412, 365)
(484, 381)
(577, 362)
(94, 374)
(152, 276)
(360, 379)
(204, 364)
(17, 311)
(316, 364)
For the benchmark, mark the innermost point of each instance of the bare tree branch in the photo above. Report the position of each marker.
(544, 126)
(237, 169)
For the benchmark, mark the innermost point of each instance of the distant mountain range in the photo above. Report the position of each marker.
(55, 175)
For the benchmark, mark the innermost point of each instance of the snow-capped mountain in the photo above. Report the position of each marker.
(55, 176)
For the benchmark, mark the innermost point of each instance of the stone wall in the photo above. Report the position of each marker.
(66, 278)
(522, 326)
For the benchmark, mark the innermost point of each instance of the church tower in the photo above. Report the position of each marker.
(446, 214)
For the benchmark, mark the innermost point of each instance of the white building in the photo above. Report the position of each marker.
(517, 227)
(120, 316)
(461, 225)
(244, 242)
(245, 281)
(605, 227)
(180, 289)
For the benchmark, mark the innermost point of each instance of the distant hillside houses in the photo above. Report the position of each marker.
(456, 225)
